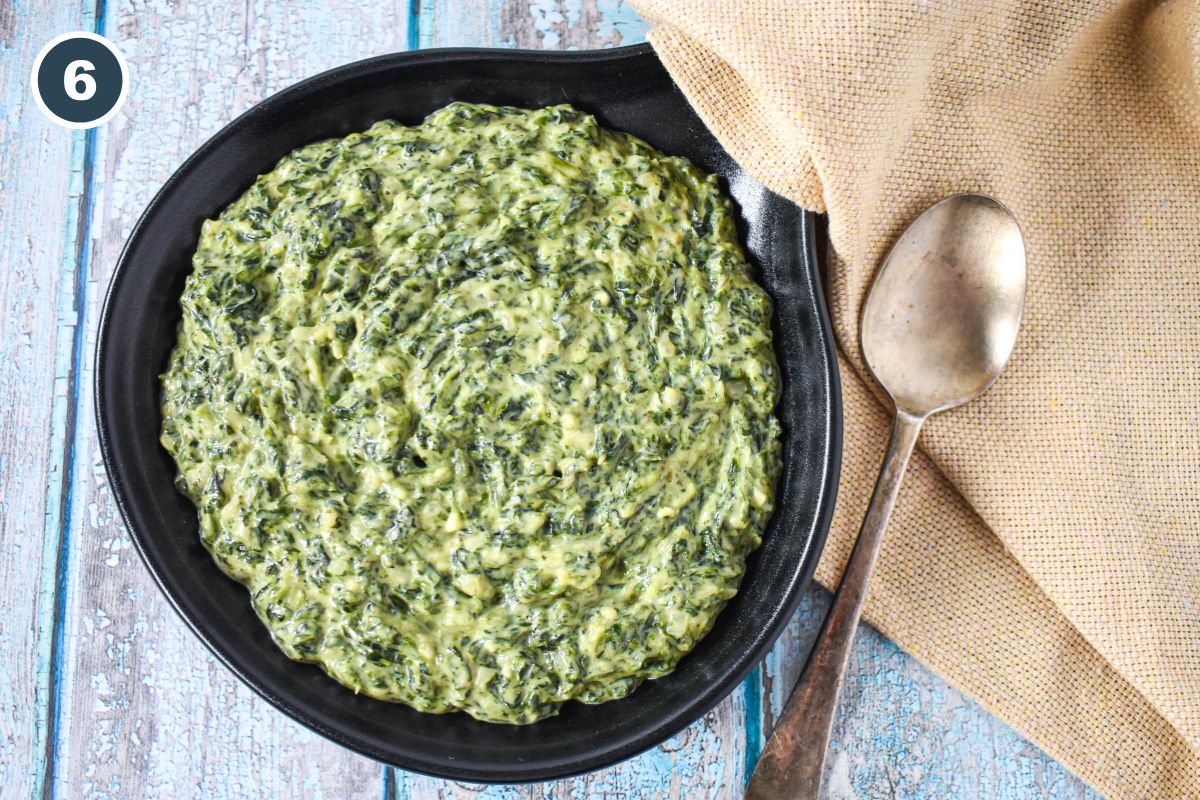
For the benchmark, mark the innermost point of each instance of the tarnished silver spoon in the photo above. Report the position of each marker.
(938, 326)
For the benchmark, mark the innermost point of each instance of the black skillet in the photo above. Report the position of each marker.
(628, 89)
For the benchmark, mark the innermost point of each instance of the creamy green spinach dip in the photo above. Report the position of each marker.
(480, 410)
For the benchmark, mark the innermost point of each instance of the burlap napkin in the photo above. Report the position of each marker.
(1045, 553)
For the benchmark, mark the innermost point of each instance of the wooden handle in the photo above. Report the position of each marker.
(791, 765)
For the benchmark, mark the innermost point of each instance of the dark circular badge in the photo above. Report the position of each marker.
(80, 80)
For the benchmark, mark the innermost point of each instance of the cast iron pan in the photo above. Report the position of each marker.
(628, 89)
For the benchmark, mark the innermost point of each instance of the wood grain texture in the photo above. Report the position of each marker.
(903, 732)
(39, 216)
(529, 24)
(704, 761)
(106, 678)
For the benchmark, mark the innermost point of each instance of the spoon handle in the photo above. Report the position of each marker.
(791, 764)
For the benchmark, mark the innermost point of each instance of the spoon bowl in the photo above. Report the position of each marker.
(942, 316)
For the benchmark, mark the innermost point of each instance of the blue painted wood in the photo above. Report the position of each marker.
(901, 731)
(108, 683)
(38, 246)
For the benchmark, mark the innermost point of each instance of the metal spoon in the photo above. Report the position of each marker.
(939, 324)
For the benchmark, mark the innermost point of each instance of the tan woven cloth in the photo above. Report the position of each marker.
(1045, 553)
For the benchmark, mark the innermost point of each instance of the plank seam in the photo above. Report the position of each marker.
(72, 397)
(414, 25)
(389, 780)
(66, 515)
(57, 467)
(753, 721)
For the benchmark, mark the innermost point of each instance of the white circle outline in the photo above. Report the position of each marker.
(112, 48)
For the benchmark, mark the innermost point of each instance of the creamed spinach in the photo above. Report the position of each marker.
(480, 410)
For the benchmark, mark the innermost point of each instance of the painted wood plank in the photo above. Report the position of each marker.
(901, 731)
(145, 710)
(38, 247)
(701, 762)
(529, 24)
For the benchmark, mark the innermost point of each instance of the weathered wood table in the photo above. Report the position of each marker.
(106, 693)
